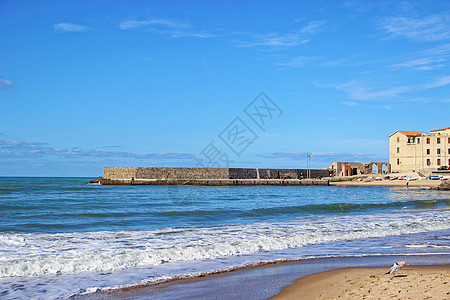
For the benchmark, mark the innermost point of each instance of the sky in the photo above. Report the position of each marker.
(89, 84)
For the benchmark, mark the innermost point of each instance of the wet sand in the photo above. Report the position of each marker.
(411, 282)
(260, 282)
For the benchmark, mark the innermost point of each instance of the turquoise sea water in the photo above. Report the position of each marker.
(59, 237)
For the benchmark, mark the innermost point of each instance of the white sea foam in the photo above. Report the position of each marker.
(73, 253)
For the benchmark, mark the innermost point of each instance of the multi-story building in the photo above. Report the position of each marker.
(412, 150)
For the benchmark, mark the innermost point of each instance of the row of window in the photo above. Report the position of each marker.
(412, 140)
(438, 161)
(428, 151)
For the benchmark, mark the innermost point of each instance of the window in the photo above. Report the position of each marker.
(418, 140)
(398, 140)
(449, 140)
(428, 162)
(428, 140)
(438, 140)
(428, 151)
(439, 151)
(398, 161)
(438, 162)
(398, 149)
(448, 150)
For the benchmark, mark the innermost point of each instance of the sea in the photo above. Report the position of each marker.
(60, 238)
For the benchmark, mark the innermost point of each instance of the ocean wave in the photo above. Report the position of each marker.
(73, 253)
(349, 207)
(341, 207)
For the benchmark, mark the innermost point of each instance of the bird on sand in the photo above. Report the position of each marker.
(396, 266)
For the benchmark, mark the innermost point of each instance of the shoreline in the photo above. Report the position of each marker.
(259, 280)
(421, 184)
(411, 282)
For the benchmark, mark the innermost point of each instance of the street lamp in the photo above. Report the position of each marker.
(308, 165)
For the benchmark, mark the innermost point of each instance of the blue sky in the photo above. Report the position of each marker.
(88, 84)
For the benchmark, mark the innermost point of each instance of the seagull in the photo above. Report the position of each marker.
(396, 266)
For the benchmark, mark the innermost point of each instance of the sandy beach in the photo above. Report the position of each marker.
(411, 282)
(395, 183)
(371, 180)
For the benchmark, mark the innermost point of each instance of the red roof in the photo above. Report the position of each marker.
(440, 129)
(409, 133)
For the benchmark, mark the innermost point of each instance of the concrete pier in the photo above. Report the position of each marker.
(209, 176)
(216, 182)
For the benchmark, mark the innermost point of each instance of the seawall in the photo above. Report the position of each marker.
(217, 182)
(209, 176)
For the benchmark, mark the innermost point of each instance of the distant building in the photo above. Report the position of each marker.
(340, 168)
(412, 150)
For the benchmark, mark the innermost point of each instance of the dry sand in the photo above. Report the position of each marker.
(368, 180)
(411, 282)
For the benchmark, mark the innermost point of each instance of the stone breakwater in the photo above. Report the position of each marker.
(208, 176)
(213, 182)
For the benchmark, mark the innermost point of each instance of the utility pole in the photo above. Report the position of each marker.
(308, 165)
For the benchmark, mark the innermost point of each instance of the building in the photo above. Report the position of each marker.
(339, 168)
(412, 150)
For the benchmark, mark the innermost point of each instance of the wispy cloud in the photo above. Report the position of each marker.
(132, 24)
(283, 39)
(325, 156)
(430, 28)
(172, 28)
(358, 91)
(313, 27)
(362, 6)
(19, 149)
(425, 64)
(443, 81)
(430, 59)
(297, 62)
(70, 27)
(350, 103)
(181, 34)
(275, 40)
(5, 83)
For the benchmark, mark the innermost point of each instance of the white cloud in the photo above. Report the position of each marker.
(326, 156)
(275, 40)
(313, 27)
(181, 34)
(152, 22)
(443, 81)
(284, 39)
(19, 149)
(430, 59)
(430, 28)
(69, 27)
(297, 62)
(350, 103)
(5, 83)
(165, 26)
(426, 63)
(358, 91)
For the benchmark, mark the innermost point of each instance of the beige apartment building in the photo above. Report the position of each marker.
(412, 150)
